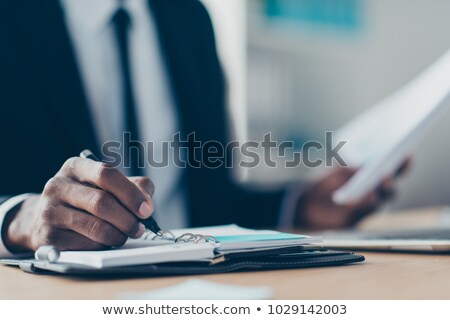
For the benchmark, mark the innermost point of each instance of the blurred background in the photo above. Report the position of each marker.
(298, 68)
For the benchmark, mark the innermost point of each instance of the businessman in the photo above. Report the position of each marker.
(77, 73)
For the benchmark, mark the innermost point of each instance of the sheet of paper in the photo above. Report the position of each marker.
(196, 289)
(382, 137)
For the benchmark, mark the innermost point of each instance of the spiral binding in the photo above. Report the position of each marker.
(166, 235)
(186, 237)
(196, 238)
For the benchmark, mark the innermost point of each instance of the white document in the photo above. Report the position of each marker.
(381, 138)
(196, 289)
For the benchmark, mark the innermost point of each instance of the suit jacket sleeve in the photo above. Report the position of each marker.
(5, 208)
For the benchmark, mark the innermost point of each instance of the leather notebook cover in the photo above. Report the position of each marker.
(264, 261)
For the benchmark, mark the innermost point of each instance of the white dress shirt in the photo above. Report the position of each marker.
(92, 35)
(91, 30)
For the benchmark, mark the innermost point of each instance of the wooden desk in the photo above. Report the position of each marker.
(382, 276)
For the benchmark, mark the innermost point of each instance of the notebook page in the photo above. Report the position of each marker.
(233, 237)
(225, 230)
(141, 255)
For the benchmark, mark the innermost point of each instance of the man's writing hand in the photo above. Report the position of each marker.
(87, 205)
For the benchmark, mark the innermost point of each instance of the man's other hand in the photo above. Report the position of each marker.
(318, 211)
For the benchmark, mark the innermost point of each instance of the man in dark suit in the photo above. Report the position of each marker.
(77, 73)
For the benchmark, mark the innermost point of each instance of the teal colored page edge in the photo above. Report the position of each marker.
(259, 237)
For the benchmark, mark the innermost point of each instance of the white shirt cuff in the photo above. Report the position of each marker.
(5, 208)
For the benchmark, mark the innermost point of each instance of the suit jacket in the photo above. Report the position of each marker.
(45, 117)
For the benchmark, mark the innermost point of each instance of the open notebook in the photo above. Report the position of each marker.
(228, 239)
(201, 251)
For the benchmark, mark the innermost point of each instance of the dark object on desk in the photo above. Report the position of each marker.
(277, 260)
